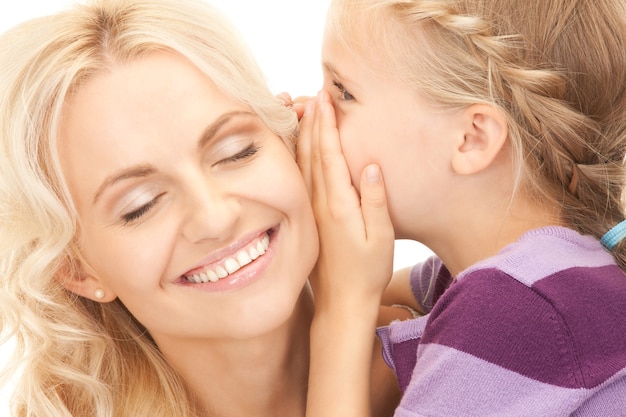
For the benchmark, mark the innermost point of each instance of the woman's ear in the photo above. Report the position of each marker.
(485, 131)
(74, 278)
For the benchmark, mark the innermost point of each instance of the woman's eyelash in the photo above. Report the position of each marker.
(136, 214)
(248, 152)
(345, 95)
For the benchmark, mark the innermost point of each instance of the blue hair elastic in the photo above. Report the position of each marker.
(614, 235)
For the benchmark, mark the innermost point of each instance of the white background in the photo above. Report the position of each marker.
(284, 35)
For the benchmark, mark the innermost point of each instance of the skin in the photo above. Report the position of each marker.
(169, 175)
(448, 183)
(367, 258)
(439, 164)
(378, 120)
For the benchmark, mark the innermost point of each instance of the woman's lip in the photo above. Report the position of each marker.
(227, 252)
(242, 277)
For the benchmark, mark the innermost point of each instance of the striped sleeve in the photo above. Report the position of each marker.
(429, 280)
(493, 346)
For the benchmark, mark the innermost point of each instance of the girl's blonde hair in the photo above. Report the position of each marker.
(555, 68)
(75, 357)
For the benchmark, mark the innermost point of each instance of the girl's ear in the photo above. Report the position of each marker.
(485, 131)
(74, 277)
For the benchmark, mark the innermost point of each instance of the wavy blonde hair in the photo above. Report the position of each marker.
(75, 357)
(555, 68)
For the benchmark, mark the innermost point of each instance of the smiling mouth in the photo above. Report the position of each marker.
(243, 257)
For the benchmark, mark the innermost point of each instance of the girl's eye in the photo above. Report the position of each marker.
(345, 95)
(244, 154)
(136, 214)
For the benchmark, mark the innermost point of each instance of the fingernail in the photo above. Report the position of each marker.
(321, 96)
(372, 173)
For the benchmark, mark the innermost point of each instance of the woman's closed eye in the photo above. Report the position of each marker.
(343, 93)
(233, 149)
(244, 154)
(136, 214)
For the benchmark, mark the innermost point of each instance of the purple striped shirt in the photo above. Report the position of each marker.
(537, 330)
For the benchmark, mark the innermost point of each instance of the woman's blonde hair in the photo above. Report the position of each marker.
(555, 68)
(75, 357)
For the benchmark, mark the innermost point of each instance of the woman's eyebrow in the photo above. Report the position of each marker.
(145, 170)
(131, 172)
(209, 133)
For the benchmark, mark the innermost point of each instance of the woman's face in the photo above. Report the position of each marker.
(192, 212)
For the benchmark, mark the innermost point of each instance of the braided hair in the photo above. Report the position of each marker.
(555, 68)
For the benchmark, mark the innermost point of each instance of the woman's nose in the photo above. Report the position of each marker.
(212, 213)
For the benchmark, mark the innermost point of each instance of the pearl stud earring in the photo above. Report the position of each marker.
(99, 294)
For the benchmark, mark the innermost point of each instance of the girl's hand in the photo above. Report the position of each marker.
(297, 104)
(354, 267)
(356, 235)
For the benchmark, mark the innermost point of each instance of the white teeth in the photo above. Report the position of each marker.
(221, 272)
(260, 248)
(212, 276)
(231, 265)
(243, 258)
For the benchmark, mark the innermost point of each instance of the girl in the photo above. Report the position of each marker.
(499, 126)
(156, 233)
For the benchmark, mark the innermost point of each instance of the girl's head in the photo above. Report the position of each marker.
(552, 71)
(142, 158)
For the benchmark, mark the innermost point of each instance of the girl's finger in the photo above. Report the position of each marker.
(337, 181)
(317, 170)
(303, 145)
(378, 226)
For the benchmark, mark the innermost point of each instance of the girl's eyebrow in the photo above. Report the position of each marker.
(145, 170)
(338, 75)
(329, 67)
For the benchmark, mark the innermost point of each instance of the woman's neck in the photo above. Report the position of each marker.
(266, 376)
